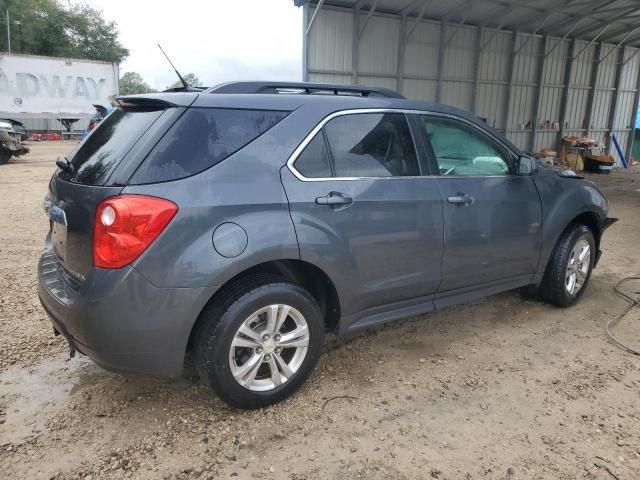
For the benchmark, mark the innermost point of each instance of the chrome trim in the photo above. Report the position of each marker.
(296, 153)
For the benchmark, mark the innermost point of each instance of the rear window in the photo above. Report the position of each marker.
(96, 156)
(201, 138)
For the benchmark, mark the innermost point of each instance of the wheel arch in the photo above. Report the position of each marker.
(302, 273)
(589, 218)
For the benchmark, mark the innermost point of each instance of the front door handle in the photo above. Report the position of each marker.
(334, 199)
(461, 199)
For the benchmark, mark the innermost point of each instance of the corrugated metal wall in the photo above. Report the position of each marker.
(516, 81)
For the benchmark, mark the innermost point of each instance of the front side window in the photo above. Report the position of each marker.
(361, 145)
(462, 150)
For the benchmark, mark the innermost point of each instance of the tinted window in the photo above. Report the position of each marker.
(372, 145)
(461, 149)
(313, 162)
(100, 151)
(201, 138)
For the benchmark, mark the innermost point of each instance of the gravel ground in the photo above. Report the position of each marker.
(504, 388)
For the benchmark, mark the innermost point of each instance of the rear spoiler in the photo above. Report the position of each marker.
(182, 89)
(156, 100)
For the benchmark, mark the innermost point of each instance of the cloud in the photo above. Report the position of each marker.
(218, 40)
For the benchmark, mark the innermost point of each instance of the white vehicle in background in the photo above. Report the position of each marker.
(45, 92)
(11, 132)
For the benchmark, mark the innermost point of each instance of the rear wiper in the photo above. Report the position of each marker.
(64, 164)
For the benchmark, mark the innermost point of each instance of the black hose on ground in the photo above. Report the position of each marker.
(633, 302)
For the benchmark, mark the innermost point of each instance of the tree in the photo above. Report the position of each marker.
(48, 27)
(91, 36)
(191, 79)
(132, 83)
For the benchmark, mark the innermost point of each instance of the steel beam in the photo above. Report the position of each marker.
(616, 33)
(531, 35)
(564, 37)
(355, 46)
(634, 115)
(619, 44)
(616, 94)
(595, 69)
(305, 43)
(457, 26)
(591, 42)
(476, 70)
(568, 68)
(418, 19)
(367, 18)
(605, 22)
(510, 72)
(441, 49)
(632, 56)
(313, 18)
(536, 100)
(407, 7)
(402, 43)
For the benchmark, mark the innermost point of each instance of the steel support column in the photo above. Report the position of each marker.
(441, 49)
(510, 71)
(476, 70)
(565, 91)
(355, 46)
(402, 42)
(536, 99)
(588, 117)
(305, 42)
(634, 115)
(616, 94)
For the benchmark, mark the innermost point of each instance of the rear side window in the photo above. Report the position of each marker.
(372, 145)
(361, 145)
(94, 159)
(201, 138)
(313, 162)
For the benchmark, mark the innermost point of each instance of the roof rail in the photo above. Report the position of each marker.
(303, 88)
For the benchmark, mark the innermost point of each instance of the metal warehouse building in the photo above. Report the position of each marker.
(537, 69)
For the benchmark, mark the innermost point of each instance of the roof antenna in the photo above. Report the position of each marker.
(184, 83)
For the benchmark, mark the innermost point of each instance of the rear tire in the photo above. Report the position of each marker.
(259, 341)
(5, 155)
(569, 269)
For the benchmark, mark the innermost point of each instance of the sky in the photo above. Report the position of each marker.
(218, 40)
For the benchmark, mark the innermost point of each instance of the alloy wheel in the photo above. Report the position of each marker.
(578, 267)
(269, 347)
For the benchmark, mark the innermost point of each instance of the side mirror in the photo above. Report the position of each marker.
(527, 165)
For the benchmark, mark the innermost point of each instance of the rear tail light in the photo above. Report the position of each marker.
(125, 226)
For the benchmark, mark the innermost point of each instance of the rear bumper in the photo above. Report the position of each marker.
(119, 319)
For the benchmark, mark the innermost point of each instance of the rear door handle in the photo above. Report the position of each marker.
(334, 198)
(461, 199)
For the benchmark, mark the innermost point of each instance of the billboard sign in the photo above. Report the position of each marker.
(48, 86)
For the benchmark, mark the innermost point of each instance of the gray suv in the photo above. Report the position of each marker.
(239, 224)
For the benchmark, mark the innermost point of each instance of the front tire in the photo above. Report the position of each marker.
(259, 341)
(569, 269)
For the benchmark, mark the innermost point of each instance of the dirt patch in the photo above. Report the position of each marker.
(505, 388)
